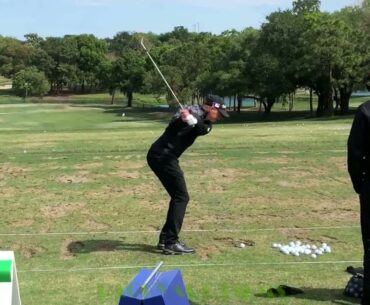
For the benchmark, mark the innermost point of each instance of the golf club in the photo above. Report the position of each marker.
(160, 73)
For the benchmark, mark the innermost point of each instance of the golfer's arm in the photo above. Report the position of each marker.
(203, 127)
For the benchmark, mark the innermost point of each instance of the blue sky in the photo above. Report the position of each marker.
(104, 18)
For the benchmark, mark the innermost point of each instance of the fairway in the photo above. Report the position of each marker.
(82, 210)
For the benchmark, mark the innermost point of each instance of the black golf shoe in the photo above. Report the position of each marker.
(162, 243)
(177, 248)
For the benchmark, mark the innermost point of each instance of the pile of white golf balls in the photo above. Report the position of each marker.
(297, 248)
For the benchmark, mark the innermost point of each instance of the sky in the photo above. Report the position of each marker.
(105, 18)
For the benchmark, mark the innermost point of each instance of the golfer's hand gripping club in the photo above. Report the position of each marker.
(187, 117)
(160, 73)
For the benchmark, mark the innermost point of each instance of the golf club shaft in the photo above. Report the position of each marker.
(160, 73)
(143, 286)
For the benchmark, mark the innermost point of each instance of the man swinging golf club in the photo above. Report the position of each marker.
(189, 123)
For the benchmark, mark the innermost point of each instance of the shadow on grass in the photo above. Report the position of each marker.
(320, 294)
(102, 245)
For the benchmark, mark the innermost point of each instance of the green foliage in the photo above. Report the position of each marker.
(14, 56)
(300, 47)
(30, 82)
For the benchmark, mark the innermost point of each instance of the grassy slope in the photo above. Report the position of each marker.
(78, 169)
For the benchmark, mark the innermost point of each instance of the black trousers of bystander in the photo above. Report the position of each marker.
(365, 230)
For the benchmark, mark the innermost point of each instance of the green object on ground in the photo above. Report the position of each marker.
(5, 271)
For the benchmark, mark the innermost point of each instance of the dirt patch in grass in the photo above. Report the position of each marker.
(81, 177)
(28, 251)
(288, 184)
(295, 172)
(339, 162)
(64, 251)
(143, 190)
(339, 215)
(88, 166)
(61, 210)
(218, 180)
(128, 175)
(194, 221)
(304, 237)
(263, 180)
(304, 183)
(22, 223)
(12, 170)
(231, 242)
(8, 192)
(277, 160)
(91, 225)
(125, 165)
(205, 252)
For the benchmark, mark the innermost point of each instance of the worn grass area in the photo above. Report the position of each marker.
(67, 169)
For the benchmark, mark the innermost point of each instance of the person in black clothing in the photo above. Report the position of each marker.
(359, 170)
(181, 132)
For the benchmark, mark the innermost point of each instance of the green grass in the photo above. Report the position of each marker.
(68, 168)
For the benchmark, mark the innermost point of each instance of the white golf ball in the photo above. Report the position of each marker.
(242, 245)
(313, 247)
(313, 255)
(123, 114)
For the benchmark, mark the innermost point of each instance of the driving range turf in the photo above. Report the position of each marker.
(82, 210)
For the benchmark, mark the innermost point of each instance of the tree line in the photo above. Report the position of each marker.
(301, 47)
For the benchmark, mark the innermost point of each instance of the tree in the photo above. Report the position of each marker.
(128, 74)
(306, 6)
(330, 57)
(30, 82)
(14, 56)
(271, 73)
(60, 59)
(91, 53)
(352, 65)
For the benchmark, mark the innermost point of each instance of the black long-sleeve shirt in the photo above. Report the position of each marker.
(358, 156)
(178, 135)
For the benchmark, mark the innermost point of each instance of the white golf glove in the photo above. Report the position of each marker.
(191, 120)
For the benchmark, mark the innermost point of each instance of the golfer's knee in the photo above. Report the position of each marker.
(183, 198)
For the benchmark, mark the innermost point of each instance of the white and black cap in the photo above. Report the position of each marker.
(218, 103)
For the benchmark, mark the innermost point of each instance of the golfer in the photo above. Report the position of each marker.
(359, 170)
(189, 123)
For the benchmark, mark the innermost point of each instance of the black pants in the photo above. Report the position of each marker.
(168, 171)
(365, 230)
